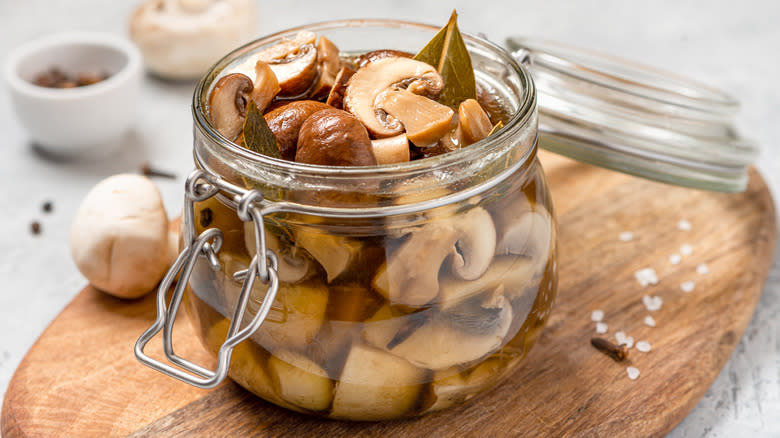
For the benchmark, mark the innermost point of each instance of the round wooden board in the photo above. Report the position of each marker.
(81, 378)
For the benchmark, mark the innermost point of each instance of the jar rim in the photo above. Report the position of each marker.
(516, 122)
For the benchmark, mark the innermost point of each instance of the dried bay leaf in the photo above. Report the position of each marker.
(447, 52)
(257, 135)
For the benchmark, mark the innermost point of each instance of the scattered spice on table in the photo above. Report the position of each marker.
(684, 225)
(151, 171)
(686, 250)
(47, 207)
(617, 352)
(649, 321)
(702, 269)
(687, 286)
(675, 259)
(35, 227)
(597, 315)
(601, 328)
(633, 373)
(626, 236)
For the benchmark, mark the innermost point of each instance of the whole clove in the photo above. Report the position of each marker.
(205, 217)
(148, 170)
(616, 352)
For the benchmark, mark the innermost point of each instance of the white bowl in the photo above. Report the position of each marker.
(73, 121)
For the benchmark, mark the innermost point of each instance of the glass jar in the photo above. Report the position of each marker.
(399, 289)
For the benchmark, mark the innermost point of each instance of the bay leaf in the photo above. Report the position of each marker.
(447, 52)
(257, 135)
(497, 126)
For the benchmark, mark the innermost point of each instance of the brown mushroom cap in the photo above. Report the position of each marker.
(376, 55)
(227, 104)
(294, 62)
(390, 73)
(334, 138)
(285, 122)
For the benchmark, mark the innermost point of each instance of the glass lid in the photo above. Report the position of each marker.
(635, 119)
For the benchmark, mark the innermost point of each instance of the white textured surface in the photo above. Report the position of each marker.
(725, 43)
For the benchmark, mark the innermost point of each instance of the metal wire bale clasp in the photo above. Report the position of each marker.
(199, 187)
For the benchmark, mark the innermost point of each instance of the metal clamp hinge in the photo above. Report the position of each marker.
(199, 187)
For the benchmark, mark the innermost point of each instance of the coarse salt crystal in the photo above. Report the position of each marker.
(601, 328)
(686, 250)
(626, 236)
(633, 373)
(649, 321)
(702, 269)
(646, 276)
(597, 315)
(675, 259)
(687, 286)
(643, 346)
(652, 303)
(684, 225)
(621, 339)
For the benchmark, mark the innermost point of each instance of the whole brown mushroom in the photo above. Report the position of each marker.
(334, 137)
(285, 122)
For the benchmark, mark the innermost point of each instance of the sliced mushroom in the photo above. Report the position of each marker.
(528, 233)
(425, 120)
(297, 315)
(247, 364)
(292, 267)
(411, 275)
(450, 390)
(376, 55)
(294, 62)
(376, 385)
(367, 83)
(473, 122)
(334, 137)
(227, 104)
(334, 253)
(328, 63)
(336, 95)
(285, 122)
(442, 343)
(508, 275)
(300, 381)
(391, 150)
(266, 86)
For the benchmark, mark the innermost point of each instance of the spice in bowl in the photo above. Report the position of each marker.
(56, 78)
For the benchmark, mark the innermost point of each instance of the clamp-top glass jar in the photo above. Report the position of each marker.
(367, 293)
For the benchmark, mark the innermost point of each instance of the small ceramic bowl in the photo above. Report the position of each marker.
(73, 121)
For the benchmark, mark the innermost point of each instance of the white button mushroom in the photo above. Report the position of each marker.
(119, 239)
(181, 39)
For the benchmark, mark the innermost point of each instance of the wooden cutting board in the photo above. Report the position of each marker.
(81, 378)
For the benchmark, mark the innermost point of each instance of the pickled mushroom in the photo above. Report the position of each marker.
(294, 62)
(292, 267)
(333, 253)
(376, 385)
(300, 381)
(390, 73)
(227, 104)
(467, 242)
(442, 342)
